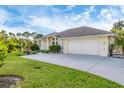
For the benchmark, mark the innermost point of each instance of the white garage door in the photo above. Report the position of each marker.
(83, 46)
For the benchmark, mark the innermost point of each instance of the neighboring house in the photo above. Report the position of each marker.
(80, 40)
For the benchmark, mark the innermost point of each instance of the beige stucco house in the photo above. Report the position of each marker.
(80, 40)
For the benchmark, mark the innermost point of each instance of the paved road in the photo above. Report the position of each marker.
(107, 67)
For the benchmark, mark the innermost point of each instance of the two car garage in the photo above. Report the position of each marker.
(87, 45)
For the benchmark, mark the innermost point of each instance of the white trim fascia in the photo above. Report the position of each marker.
(44, 37)
(90, 36)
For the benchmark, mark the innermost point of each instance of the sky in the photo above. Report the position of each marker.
(57, 18)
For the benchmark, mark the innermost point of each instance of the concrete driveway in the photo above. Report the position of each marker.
(107, 67)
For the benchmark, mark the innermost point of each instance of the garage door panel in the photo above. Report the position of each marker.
(83, 46)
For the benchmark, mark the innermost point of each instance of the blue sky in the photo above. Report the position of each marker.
(47, 19)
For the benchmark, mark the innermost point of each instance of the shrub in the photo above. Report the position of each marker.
(1, 63)
(34, 52)
(42, 51)
(27, 52)
(55, 48)
(3, 53)
(39, 50)
(12, 45)
(20, 54)
(45, 51)
(35, 47)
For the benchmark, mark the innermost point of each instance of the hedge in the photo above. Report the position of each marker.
(55, 48)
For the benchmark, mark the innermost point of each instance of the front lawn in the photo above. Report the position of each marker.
(39, 74)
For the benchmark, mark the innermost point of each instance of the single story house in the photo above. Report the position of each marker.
(79, 40)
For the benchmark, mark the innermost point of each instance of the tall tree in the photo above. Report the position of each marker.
(12, 35)
(18, 34)
(117, 26)
(38, 36)
(34, 34)
(3, 35)
(119, 40)
(26, 34)
(119, 31)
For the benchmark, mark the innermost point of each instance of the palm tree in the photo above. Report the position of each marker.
(24, 44)
(34, 34)
(119, 40)
(3, 32)
(38, 36)
(26, 34)
(3, 35)
(11, 34)
(117, 25)
(18, 34)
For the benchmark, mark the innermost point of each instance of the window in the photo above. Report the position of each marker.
(53, 43)
(56, 43)
(53, 39)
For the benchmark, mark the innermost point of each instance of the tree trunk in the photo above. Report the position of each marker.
(21, 48)
(123, 51)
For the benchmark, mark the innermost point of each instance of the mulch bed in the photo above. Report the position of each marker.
(9, 81)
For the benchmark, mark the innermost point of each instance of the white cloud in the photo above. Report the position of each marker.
(90, 9)
(77, 17)
(4, 16)
(122, 8)
(104, 20)
(100, 25)
(110, 14)
(84, 16)
(56, 23)
(105, 15)
(70, 7)
(60, 22)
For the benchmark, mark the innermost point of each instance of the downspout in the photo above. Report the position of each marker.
(47, 44)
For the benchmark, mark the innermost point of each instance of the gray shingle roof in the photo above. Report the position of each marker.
(82, 31)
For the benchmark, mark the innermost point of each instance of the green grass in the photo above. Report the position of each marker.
(40, 74)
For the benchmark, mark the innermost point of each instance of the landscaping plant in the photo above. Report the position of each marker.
(3, 53)
(55, 48)
(119, 41)
(119, 32)
(35, 47)
(45, 51)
